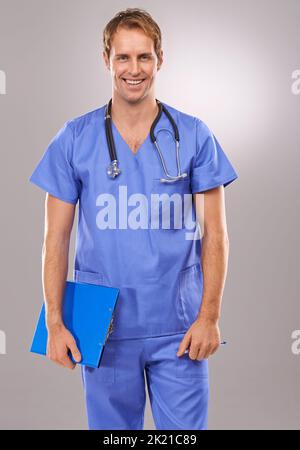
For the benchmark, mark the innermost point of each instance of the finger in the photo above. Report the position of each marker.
(203, 352)
(184, 344)
(66, 362)
(194, 350)
(54, 359)
(51, 355)
(74, 350)
(207, 351)
(214, 349)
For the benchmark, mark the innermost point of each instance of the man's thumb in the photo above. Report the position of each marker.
(75, 352)
(183, 345)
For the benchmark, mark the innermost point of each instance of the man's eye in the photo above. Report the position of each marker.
(122, 57)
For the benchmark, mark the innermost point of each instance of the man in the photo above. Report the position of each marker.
(133, 234)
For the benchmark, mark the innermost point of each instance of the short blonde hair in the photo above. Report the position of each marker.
(132, 18)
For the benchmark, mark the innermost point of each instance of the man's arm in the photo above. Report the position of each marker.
(59, 217)
(215, 251)
(203, 337)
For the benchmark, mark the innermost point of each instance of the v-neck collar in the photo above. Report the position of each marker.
(135, 155)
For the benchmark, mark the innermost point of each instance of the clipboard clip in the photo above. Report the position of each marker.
(110, 328)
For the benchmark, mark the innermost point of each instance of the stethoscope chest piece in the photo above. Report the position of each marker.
(113, 170)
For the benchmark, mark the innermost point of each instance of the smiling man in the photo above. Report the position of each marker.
(167, 316)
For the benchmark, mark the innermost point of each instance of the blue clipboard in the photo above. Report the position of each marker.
(87, 312)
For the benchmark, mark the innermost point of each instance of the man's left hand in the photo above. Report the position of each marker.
(202, 339)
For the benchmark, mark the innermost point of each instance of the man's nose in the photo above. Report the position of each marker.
(134, 67)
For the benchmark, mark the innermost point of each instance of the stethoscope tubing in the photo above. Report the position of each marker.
(113, 169)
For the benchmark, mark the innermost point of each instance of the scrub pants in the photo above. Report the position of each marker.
(178, 387)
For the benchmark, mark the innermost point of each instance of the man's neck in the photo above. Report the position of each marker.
(133, 115)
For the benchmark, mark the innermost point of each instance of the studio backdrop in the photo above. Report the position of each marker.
(235, 64)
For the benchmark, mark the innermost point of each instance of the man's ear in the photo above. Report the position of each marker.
(160, 60)
(106, 60)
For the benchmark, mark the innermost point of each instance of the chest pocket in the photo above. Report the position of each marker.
(170, 203)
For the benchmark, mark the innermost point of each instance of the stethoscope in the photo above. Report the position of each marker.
(113, 169)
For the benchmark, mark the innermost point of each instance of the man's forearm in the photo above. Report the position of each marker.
(55, 271)
(215, 250)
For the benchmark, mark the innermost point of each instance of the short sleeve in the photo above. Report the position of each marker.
(211, 166)
(55, 173)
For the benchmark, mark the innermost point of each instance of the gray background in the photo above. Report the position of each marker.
(228, 62)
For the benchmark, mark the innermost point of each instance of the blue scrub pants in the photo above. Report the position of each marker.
(178, 387)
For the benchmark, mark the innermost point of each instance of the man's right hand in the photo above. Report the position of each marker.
(60, 341)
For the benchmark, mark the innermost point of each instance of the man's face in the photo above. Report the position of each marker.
(132, 57)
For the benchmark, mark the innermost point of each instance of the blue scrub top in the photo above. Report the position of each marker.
(128, 237)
